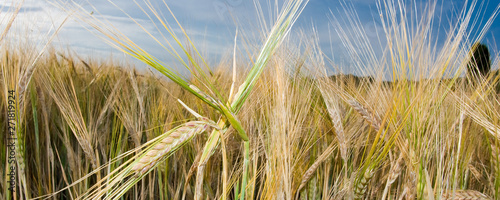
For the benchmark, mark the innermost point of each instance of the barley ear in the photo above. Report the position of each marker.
(310, 172)
(334, 112)
(167, 145)
(396, 169)
(464, 195)
(411, 185)
(393, 174)
(366, 114)
(362, 185)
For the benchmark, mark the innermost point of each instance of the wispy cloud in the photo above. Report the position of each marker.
(210, 24)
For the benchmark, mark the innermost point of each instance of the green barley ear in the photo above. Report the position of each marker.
(361, 184)
(280, 30)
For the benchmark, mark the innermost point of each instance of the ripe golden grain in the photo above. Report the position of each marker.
(169, 143)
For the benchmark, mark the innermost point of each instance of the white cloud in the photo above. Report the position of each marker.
(39, 19)
(207, 22)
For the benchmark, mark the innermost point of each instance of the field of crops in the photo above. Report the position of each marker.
(275, 125)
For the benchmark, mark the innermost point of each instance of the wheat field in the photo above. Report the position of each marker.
(277, 125)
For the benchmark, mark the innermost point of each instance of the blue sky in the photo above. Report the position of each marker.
(210, 25)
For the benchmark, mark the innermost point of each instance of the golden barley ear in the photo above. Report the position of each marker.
(393, 173)
(310, 172)
(475, 173)
(464, 195)
(164, 148)
(333, 109)
(411, 185)
(366, 113)
(396, 169)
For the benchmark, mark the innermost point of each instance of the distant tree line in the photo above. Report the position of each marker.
(479, 63)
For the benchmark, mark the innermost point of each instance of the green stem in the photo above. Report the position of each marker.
(246, 161)
(231, 118)
(37, 136)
